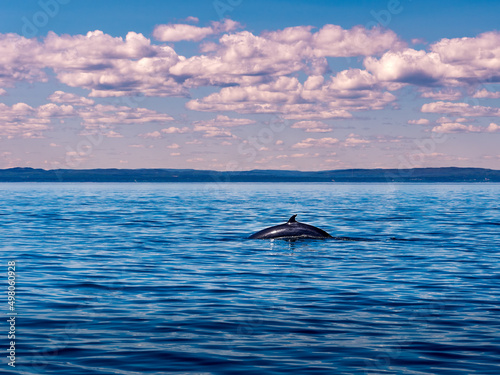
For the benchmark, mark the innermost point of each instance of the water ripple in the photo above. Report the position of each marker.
(161, 279)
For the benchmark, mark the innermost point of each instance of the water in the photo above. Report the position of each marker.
(160, 279)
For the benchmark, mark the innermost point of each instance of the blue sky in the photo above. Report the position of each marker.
(237, 85)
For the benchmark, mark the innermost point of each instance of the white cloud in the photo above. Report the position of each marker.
(454, 127)
(445, 94)
(353, 141)
(222, 122)
(112, 134)
(110, 66)
(312, 126)
(217, 127)
(333, 41)
(487, 94)
(178, 32)
(18, 60)
(23, 120)
(313, 142)
(52, 110)
(353, 79)
(288, 96)
(69, 98)
(153, 135)
(174, 130)
(492, 128)
(110, 114)
(194, 142)
(450, 62)
(421, 121)
(460, 109)
(245, 59)
(443, 119)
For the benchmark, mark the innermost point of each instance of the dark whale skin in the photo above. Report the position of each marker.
(291, 229)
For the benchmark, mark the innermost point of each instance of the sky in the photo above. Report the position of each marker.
(238, 85)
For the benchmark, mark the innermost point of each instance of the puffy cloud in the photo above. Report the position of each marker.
(217, 127)
(18, 60)
(257, 73)
(222, 121)
(110, 114)
(353, 141)
(21, 120)
(454, 127)
(492, 128)
(245, 58)
(192, 19)
(112, 134)
(353, 79)
(445, 94)
(69, 98)
(421, 121)
(487, 94)
(333, 41)
(408, 66)
(461, 109)
(52, 110)
(110, 66)
(116, 66)
(288, 96)
(194, 142)
(443, 120)
(418, 41)
(102, 131)
(482, 51)
(450, 62)
(297, 155)
(290, 35)
(174, 130)
(313, 142)
(312, 126)
(178, 32)
(153, 135)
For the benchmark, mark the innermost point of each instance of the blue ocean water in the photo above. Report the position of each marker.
(160, 279)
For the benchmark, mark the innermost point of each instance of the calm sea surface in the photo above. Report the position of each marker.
(161, 279)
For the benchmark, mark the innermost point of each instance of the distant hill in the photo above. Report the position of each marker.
(448, 174)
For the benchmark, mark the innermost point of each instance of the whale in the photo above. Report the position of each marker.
(292, 229)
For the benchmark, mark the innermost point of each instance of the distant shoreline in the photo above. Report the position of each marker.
(415, 175)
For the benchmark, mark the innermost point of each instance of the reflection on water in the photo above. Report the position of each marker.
(161, 278)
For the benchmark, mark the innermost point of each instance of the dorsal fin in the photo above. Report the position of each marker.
(292, 219)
